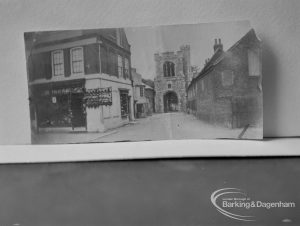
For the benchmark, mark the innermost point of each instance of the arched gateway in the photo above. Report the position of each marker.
(173, 73)
(170, 102)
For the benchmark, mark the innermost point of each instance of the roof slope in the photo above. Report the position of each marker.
(148, 82)
(249, 38)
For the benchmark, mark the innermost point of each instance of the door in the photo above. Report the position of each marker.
(77, 110)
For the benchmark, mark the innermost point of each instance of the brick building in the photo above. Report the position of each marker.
(228, 89)
(173, 73)
(79, 79)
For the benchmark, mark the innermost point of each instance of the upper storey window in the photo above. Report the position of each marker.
(58, 62)
(126, 70)
(120, 37)
(254, 62)
(169, 69)
(227, 78)
(77, 60)
(120, 66)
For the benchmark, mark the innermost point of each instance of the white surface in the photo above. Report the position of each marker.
(276, 22)
(154, 149)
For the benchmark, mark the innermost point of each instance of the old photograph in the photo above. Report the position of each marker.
(193, 81)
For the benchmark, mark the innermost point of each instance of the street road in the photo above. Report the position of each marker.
(165, 126)
(172, 126)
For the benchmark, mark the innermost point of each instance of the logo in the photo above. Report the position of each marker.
(234, 203)
(219, 194)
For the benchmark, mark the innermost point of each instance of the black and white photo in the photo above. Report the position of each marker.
(197, 81)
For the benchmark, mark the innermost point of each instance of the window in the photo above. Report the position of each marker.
(113, 62)
(58, 62)
(119, 37)
(227, 78)
(141, 91)
(120, 66)
(126, 70)
(254, 62)
(169, 69)
(169, 86)
(77, 60)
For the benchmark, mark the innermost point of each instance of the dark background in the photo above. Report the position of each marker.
(136, 193)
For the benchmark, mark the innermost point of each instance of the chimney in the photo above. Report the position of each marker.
(218, 45)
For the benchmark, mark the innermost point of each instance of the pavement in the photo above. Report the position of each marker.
(166, 126)
(67, 137)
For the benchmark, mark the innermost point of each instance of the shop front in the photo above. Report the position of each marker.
(59, 105)
(125, 100)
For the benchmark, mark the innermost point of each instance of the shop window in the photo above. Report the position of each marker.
(254, 62)
(169, 69)
(77, 60)
(227, 78)
(124, 105)
(54, 113)
(58, 63)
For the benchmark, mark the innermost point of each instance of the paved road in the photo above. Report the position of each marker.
(172, 126)
(166, 126)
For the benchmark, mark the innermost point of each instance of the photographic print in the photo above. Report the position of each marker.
(194, 81)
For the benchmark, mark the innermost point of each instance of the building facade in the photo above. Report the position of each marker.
(139, 96)
(79, 80)
(150, 96)
(228, 90)
(173, 74)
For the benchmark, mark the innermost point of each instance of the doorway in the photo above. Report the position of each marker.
(170, 102)
(77, 109)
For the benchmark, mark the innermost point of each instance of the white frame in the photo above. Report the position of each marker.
(52, 63)
(71, 61)
(119, 57)
(254, 54)
(126, 60)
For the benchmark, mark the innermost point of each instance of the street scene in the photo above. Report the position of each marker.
(127, 84)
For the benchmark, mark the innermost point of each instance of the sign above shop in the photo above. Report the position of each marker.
(97, 97)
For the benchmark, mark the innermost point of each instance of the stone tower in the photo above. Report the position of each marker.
(173, 74)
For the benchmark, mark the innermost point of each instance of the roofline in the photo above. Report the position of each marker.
(200, 76)
(78, 37)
